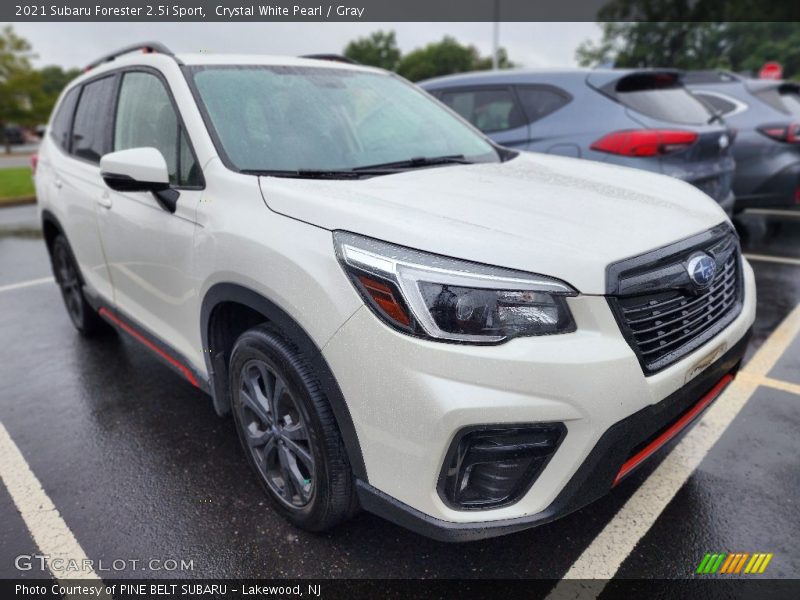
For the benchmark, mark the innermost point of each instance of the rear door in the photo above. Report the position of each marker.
(495, 110)
(659, 101)
(76, 181)
(150, 251)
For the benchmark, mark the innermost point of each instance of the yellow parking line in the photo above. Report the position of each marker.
(602, 558)
(773, 212)
(778, 384)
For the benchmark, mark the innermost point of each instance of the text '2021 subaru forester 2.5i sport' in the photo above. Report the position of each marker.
(400, 315)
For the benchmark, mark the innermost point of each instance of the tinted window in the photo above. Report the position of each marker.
(717, 104)
(489, 110)
(538, 102)
(59, 128)
(785, 100)
(146, 117)
(791, 100)
(662, 98)
(322, 118)
(90, 132)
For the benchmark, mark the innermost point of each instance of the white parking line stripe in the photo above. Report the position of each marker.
(51, 534)
(785, 260)
(604, 556)
(24, 284)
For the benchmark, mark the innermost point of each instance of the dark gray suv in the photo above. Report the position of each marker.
(638, 118)
(767, 150)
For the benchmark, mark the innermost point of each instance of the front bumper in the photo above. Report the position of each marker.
(601, 470)
(409, 397)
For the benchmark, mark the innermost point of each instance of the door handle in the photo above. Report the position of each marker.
(58, 183)
(104, 199)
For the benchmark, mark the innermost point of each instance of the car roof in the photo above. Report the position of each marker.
(537, 75)
(157, 59)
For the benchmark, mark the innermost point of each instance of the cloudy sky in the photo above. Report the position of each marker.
(76, 44)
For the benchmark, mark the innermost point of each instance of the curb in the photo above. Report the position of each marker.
(21, 201)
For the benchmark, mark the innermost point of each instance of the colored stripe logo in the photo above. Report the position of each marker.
(734, 563)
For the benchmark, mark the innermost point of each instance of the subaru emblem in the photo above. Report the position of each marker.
(701, 269)
(724, 141)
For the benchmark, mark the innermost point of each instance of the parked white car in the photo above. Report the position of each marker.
(401, 315)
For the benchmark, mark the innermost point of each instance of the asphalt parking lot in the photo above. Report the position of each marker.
(138, 465)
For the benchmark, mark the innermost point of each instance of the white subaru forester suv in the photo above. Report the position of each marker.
(400, 315)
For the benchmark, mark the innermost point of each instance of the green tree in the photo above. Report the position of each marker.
(20, 85)
(54, 79)
(666, 41)
(378, 50)
(444, 58)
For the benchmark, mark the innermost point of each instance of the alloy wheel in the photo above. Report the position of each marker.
(276, 434)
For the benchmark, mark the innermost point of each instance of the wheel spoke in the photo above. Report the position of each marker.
(299, 452)
(250, 399)
(292, 474)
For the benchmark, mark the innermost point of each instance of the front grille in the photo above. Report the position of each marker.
(662, 313)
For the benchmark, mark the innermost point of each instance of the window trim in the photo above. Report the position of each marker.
(739, 106)
(486, 88)
(541, 86)
(181, 124)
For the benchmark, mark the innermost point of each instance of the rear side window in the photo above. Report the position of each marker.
(91, 129)
(490, 110)
(661, 97)
(146, 117)
(717, 104)
(59, 128)
(538, 102)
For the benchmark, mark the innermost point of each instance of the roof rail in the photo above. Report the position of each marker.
(710, 76)
(332, 58)
(146, 47)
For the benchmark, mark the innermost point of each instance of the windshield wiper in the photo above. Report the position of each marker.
(419, 161)
(316, 174)
(715, 116)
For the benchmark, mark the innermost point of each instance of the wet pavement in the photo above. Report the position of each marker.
(140, 467)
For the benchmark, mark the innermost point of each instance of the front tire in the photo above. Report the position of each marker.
(288, 431)
(69, 280)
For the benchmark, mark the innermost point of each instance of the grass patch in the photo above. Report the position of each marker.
(15, 183)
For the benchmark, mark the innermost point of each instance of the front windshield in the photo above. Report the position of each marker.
(278, 118)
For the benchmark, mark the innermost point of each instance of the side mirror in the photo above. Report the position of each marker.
(139, 170)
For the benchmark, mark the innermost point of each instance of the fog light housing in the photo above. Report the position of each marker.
(495, 465)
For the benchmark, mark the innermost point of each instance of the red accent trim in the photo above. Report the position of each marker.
(674, 429)
(139, 337)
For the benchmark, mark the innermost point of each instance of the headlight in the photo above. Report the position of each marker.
(448, 299)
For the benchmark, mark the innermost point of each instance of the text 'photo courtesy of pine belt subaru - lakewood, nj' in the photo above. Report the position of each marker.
(401, 316)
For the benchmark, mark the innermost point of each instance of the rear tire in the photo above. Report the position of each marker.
(70, 282)
(288, 431)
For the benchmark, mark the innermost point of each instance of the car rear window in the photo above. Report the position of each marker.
(490, 110)
(59, 128)
(785, 99)
(91, 133)
(661, 97)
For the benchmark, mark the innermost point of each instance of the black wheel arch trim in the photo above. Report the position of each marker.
(217, 363)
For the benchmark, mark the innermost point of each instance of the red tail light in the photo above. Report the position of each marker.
(34, 162)
(788, 134)
(645, 142)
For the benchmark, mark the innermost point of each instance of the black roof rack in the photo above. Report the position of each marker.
(146, 47)
(332, 58)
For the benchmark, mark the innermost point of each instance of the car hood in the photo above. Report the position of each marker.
(550, 215)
